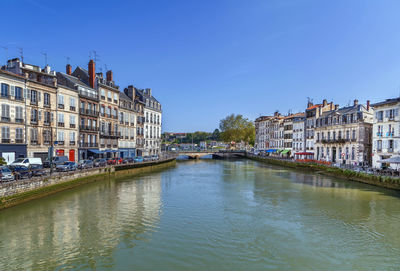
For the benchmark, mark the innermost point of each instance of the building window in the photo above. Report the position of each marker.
(103, 94)
(72, 136)
(46, 99)
(60, 119)
(18, 93)
(60, 101)
(19, 136)
(47, 119)
(46, 137)
(5, 112)
(354, 135)
(109, 96)
(352, 153)
(34, 96)
(379, 116)
(4, 90)
(5, 134)
(34, 116)
(379, 145)
(34, 136)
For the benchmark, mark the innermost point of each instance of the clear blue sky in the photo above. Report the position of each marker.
(207, 59)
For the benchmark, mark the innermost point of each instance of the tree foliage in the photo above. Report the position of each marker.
(237, 128)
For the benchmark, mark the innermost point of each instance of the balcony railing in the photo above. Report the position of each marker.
(19, 140)
(46, 105)
(89, 112)
(5, 119)
(46, 123)
(390, 149)
(34, 142)
(34, 102)
(19, 120)
(72, 143)
(88, 128)
(5, 140)
(46, 142)
(72, 125)
(88, 145)
(72, 108)
(61, 124)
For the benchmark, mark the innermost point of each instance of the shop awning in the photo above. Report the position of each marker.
(280, 150)
(304, 153)
(271, 150)
(285, 151)
(110, 151)
(95, 151)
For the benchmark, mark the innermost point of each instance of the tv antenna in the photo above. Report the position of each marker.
(68, 60)
(21, 54)
(45, 58)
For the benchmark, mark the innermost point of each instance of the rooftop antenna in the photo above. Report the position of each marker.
(68, 60)
(96, 56)
(105, 66)
(21, 54)
(5, 49)
(45, 58)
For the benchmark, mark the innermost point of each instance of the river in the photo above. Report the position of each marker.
(207, 215)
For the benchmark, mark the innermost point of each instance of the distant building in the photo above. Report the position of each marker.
(312, 113)
(386, 131)
(298, 142)
(343, 135)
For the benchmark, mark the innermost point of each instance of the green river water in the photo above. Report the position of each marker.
(207, 215)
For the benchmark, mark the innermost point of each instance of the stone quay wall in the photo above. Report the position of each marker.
(17, 192)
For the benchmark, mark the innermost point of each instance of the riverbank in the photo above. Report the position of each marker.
(381, 181)
(18, 192)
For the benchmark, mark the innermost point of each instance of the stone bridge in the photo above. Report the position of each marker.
(221, 154)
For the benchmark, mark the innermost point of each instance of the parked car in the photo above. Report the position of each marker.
(21, 172)
(154, 157)
(84, 164)
(138, 159)
(57, 160)
(111, 161)
(146, 158)
(6, 174)
(37, 170)
(100, 162)
(127, 160)
(27, 162)
(67, 166)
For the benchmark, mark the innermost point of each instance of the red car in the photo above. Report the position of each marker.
(111, 161)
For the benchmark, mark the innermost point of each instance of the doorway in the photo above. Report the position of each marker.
(72, 155)
(333, 154)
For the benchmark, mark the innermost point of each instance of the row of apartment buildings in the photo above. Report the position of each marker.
(79, 114)
(356, 134)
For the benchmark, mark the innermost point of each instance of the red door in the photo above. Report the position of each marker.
(72, 155)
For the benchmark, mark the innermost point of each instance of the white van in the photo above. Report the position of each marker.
(27, 162)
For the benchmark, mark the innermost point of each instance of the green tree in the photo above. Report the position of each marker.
(237, 128)
(216, 135)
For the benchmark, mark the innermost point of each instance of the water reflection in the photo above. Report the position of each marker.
(205, 214)
(87, 224)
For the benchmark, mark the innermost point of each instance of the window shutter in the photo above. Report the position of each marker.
(12, 91)
(39, 114)
(39, 94)
(396, 112)
(387, 113)
(52, 117)
(28, 91)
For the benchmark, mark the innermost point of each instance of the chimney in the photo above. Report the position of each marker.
(368, 105)
(309, 104)
(69, 69)
(109, 75)
(130, 92)
(355, 102)
(324, 102)
(336, 106)
(148, 91)
(92, 70)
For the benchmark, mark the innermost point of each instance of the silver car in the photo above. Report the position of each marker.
(6, 174)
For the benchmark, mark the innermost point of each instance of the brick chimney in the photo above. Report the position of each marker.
(92, 70)
(336, 106)
(368, 105)
(324, 102)
(109, 76)
(355, 102)
(69, 69)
